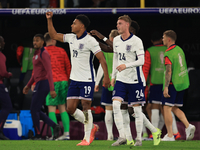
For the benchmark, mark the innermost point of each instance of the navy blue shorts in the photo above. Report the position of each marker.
(131, 93)
(175, 99)
(106, 97)
(155, 94)
(81, 90)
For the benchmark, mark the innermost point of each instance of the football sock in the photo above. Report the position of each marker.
(52, 116)
(109, 122)
(118, 118)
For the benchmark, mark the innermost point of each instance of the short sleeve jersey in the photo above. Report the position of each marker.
(82, 51)
(127, 52)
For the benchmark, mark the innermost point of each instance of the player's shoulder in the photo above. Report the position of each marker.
(117, 39)
(70, 35)
(90, 38)
(44, 52)
(136, 38)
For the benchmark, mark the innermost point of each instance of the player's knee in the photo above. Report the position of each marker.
(86, 105)
(116, 105)
(130, 110)
(70, 110)
(8, 107)
(124, 106)
(137, 110)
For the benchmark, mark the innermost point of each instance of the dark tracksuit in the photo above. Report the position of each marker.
(43, 78)
(6, 105)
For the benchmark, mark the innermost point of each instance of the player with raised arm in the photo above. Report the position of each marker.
(127, 69)
(83, 47)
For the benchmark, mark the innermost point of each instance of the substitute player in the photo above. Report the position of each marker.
(42, 76)
(176, 81)
(61, 68)
(83, 47)
(5, 101)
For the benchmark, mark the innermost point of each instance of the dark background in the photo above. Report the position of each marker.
(19, 30)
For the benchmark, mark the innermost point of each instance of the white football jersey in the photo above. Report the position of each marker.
(82, 52)
(126, 51)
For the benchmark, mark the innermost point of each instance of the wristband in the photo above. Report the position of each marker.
(105, 39)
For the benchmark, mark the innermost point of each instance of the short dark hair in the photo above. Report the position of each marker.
(156, 36)
(134, 27)
(84, 19)
(171, 34)
(1, 38)
(47, 37)
(40, 35)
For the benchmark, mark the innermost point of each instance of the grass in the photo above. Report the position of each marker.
(96, 145)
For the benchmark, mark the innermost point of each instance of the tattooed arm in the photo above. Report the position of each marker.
(168, 75)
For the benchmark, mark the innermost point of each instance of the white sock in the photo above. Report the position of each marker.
(138, 122)
(155, 117)
(148, 124)
(79, 116)
(66, 133)
(174, 125)
(144, 130)
(88, 126)
(118, 118)
(161, 122)
(109, 123)
(126, 123)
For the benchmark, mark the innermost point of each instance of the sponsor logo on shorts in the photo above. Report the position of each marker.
(113, 93)
(6, 89)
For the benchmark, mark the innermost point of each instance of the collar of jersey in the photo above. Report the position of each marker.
(82, 36)
(160, 44)
(48, 45)
(171, 47)
(128, 37)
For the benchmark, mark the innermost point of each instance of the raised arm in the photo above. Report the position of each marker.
(52, 32)
(106, 48)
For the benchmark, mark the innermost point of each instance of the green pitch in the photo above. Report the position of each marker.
(96, 145)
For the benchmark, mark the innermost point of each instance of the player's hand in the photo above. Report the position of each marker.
(99, 35)
(32, 88)
(121, 67)
(26, 89)
(53, 94)
(113, 82)
(165, 92)
(49, 15)
(106, 82)
(10, 74)
(96, 88)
